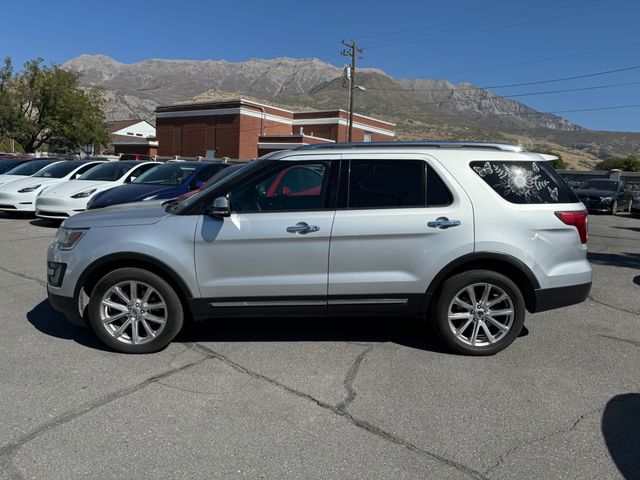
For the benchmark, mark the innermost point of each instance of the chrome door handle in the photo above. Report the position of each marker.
(443, 222)
(303, 228)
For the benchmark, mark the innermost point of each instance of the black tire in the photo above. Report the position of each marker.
(174, 311)
(453, 286)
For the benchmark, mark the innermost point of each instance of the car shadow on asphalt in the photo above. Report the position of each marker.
(636, 280)
(633, 229)
(50, 322)
(621, 431)
(625, 259)
(408, 332)
(46, 223)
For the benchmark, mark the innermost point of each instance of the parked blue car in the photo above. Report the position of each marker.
(166, 181)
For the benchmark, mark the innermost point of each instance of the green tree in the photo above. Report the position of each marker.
(43, 105)
(628, 164)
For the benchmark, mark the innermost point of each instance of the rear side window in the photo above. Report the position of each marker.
(525, 182)
(386, 184)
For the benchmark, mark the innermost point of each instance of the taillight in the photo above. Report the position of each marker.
(578, 220)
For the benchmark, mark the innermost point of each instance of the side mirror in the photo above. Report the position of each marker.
(220, 208)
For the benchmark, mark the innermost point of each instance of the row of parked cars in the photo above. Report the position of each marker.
(57, 189)
(608, 196)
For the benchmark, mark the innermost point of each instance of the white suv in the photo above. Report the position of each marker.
(469, 235)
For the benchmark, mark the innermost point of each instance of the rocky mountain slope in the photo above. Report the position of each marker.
(421, 108)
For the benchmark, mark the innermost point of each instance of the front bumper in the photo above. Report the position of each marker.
(17, 202)
(557, 297)
(67, 306)
(58, 208)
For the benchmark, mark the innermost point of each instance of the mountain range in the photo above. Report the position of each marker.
(433, 109)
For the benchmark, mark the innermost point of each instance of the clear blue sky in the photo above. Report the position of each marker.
(467, 40)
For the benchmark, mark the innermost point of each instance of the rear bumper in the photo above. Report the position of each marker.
(67, 306)
(550, 298)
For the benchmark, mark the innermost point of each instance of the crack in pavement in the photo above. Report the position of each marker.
(363, 424)
(39, 281)
(350, 377)
(533, 441)
(593, 299)
(8, 451)
(626, 340)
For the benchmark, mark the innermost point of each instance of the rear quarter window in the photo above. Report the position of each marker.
(525, 182)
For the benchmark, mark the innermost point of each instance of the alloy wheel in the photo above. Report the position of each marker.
(133, 312)
(481, 314)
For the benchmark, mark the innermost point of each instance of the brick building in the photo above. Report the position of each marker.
(243, 129)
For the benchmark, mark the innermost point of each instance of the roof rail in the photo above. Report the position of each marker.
(413, 144)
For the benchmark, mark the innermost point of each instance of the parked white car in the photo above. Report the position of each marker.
(71, 197)
(20, 195)
(26, 169)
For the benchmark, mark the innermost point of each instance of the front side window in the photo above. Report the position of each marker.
(525, 182)
(299, 186)
(386, 184)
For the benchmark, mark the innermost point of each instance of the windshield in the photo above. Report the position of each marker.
(609, 185)
(216, 182)
(107, 172)
(58, 170)
(29, 168)
(167, 174)
(6, 165)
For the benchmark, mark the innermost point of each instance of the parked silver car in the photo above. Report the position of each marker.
(470, 235)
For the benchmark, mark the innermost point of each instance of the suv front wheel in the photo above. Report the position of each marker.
(135, 311)
(479, 312)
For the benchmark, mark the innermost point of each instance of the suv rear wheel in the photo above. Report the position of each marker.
(135, 311)
(479, 312)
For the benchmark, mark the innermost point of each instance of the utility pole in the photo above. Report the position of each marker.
(352, 51)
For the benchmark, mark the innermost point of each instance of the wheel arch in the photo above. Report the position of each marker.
(507, 265)
(95, 271)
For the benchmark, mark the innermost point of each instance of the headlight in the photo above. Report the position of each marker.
(149, 198)
(29, 189)
(84, 194)
(66, 238)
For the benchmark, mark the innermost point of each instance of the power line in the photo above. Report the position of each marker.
(482, 115)
(528, 94)
(509, 85)
(541, 60)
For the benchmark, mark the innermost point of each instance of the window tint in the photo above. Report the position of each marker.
(437, 192)
(525, 182)
(386, 184)
(288, 187)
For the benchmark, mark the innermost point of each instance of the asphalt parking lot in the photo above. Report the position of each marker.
(340, 399)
